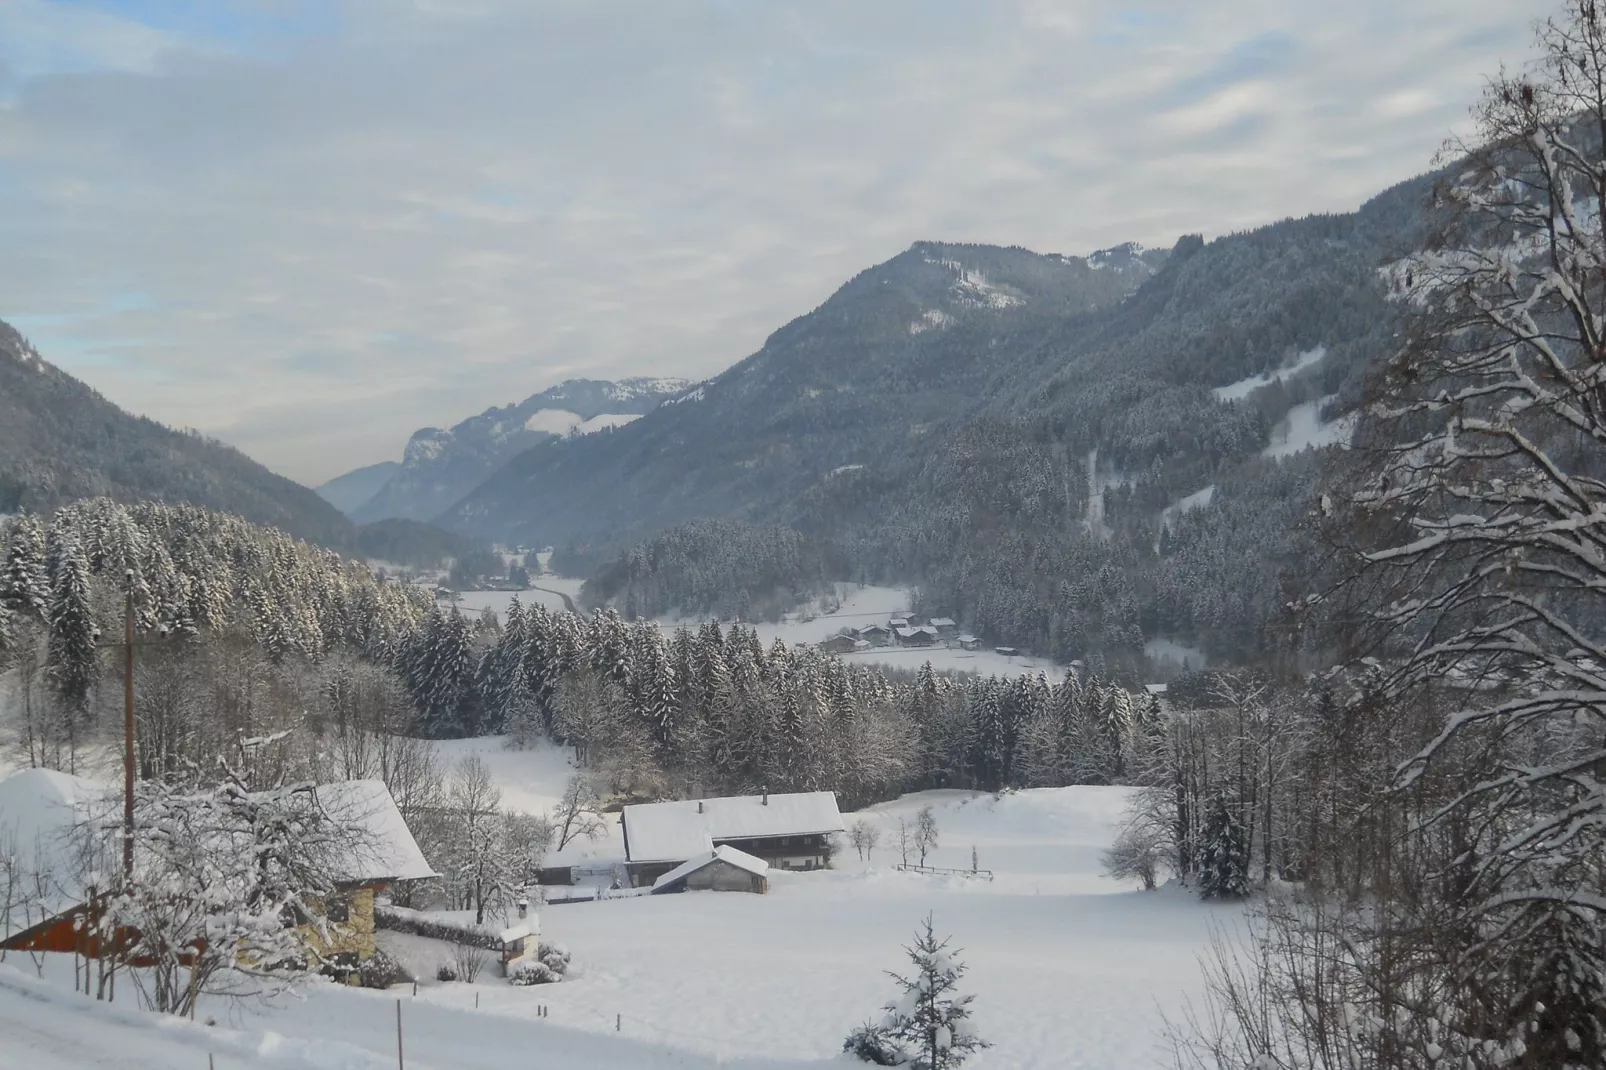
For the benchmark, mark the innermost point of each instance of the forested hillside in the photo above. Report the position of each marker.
(61, 441)
(1071, 456)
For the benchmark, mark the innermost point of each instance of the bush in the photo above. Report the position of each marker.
(869, 1044)
(531, 972)
(554, 957)
(382, 971)
(1135, 855)
(468, 961)
(446, 972)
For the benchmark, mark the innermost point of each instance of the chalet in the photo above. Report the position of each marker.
(969, 642)
(875, 635)
(925, 635)
(786, 831)
(1007, 651)
(945, 626)
(45, 813)
(837, 644)
(898, 622)
(724, 869)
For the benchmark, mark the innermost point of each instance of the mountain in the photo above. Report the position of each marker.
(1085, 457)
(900, 348)
(411, 544)
(60, 440)
(441, 466)
(351, 490)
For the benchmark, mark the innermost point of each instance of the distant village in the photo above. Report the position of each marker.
(907, 631)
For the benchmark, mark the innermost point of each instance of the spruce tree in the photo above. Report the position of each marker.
(1224, 855)
(929, 1026)
(71, 652)
(24, 584)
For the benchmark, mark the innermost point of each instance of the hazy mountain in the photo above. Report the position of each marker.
(441, 466)
(351, 490)
(1080, 456)
(60, 440)
(904, 345)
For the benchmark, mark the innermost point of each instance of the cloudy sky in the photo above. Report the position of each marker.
(310, 227)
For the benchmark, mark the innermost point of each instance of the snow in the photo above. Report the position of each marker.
(606, 420)
(931, 319)
(845, 468)
(1303, 429)
(695, 395)
(548, 592)
(40, 809)
(44, 1025)
(1174, 653)
(722, 853)
(386, 851)
(1244, 387)
(1197, 500)
(553, 421)
(863, 605)
(672, 831)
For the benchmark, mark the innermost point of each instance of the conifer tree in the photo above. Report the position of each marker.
(929, 1027)
(24, 584)
(1224, 861)
(72, 654)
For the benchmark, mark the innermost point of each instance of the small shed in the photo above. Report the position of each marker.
(969, 642)
(724, 869)
(1008, 651)
(898, 622)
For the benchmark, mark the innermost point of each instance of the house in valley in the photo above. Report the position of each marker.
(945, 626)
(969, 642)
(57, 828)
(724, 869)
(1007, 651)
(925, 635)
(875, 635)
(789, 831)
(837, 644)
(897, 622)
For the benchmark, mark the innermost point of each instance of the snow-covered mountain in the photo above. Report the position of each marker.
(440, 466)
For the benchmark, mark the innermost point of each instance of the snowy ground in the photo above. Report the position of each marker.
(1069, 968)
(862, 605)
(549, 591)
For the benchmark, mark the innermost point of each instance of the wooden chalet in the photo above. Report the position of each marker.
(838, 644)
(925, 635)
(945, 626)
(969, 642)
(875, 635)
(785, 831)
(49, 816)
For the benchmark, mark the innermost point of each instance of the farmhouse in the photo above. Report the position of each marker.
(788, 831)
(969, 642)
(925, 635)
(724, 869)
(945, 625)
(45, 815)
(875, 635)
(837, 644)
(898, 622)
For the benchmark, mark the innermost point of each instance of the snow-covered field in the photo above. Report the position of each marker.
(1069, 968)
(548, 591)
(862, 605)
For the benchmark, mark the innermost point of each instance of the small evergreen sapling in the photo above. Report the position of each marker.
(1224, 867)
(929, 1026)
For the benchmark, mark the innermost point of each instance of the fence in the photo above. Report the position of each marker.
(984, 874)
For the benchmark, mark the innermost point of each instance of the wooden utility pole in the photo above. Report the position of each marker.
(128, 733)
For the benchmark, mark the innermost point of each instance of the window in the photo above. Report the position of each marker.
(338, 908)
(785, 840)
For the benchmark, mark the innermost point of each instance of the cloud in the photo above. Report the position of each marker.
(348, 221)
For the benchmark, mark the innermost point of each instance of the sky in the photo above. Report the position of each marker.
(309, 227)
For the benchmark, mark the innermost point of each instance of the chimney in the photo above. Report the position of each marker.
(699, 806)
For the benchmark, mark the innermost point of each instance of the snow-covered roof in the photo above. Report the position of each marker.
(675, 831)
(386, 850)
(943, 622)
(740, 859)
(1155, 689)
(910, 633)
(968, 639)
(41, 811)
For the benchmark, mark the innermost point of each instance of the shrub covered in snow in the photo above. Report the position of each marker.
(869, 1044)
(555, 957)
(546, 967)
(1135, 855)
(382, 971)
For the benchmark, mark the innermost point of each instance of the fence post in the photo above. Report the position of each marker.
(618, 1023)
(401, 1064)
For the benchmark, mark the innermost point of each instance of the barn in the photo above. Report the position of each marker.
(785, 831)
(724, 869)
